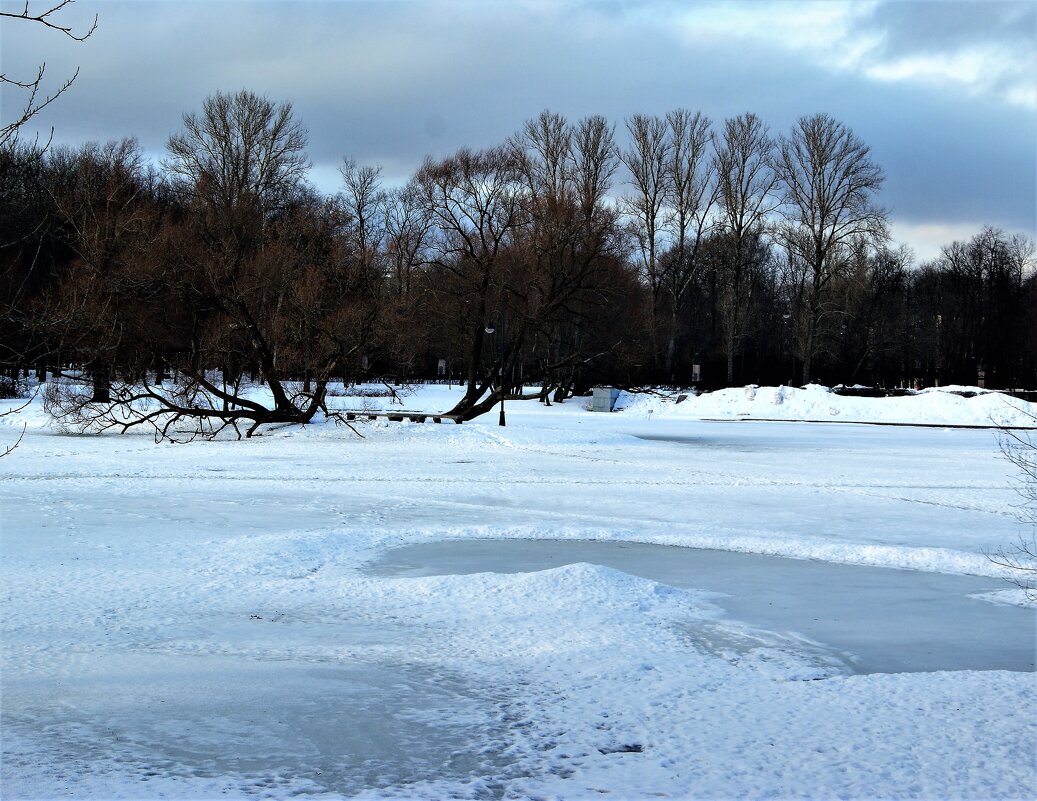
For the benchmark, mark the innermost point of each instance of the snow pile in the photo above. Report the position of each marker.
(935, 406)
(630, 686)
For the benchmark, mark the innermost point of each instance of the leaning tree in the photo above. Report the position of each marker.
(567, 245)
(475, 203)
(262, 277)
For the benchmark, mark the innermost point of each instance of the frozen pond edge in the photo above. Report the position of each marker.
(870, 619)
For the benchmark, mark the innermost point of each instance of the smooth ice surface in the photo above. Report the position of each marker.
(195, 621)
(244, 725)
(867, 619)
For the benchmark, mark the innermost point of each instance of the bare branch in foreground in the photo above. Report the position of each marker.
(9, 448)
(46, 19)
(1020, 558)
(36, 101)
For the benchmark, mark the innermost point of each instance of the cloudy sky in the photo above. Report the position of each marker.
(944, 92)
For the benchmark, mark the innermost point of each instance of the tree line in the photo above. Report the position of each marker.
(678, 252)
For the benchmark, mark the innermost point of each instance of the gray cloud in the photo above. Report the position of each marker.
(912, 27)
(390, 82)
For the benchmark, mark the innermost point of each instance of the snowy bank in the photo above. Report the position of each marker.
(935, 406)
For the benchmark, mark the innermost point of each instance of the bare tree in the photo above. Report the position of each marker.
(542, 150)
(595, 162)
(105, 204)
(601, 250)
(693, 192)
(475, 202)
(32, 252)
(828, 183)
(566, 238)
(872, 298)
(243, 157)
(406, 223)
(521, 248)
(986, 309)
(36, 98)
(648, 159)
(260, 272)
(365, 201)
(746, 182)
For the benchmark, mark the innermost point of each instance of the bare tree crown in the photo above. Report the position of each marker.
(241, 149)
(828, 182)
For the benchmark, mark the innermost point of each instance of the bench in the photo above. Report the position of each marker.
(399, 417)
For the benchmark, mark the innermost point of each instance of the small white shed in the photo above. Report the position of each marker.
(605, 399)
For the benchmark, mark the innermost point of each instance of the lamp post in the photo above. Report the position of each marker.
(490, 328)
(792, 365)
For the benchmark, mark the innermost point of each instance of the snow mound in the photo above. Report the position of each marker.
(555, 590)
(934, 406)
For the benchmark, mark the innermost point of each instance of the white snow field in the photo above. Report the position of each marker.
(271, 618)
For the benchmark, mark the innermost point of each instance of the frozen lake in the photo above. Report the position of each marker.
(871, 620)
(241, 726)
(302, 613)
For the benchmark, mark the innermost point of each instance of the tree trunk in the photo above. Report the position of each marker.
(671, 345)
(102, 388)
(564, 392)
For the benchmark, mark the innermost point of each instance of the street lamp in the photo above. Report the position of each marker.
(792, 365)
(490, 328)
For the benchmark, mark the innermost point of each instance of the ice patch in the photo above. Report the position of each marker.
(1017, 597)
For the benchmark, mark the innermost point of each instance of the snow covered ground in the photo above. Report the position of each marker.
(201, 621)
